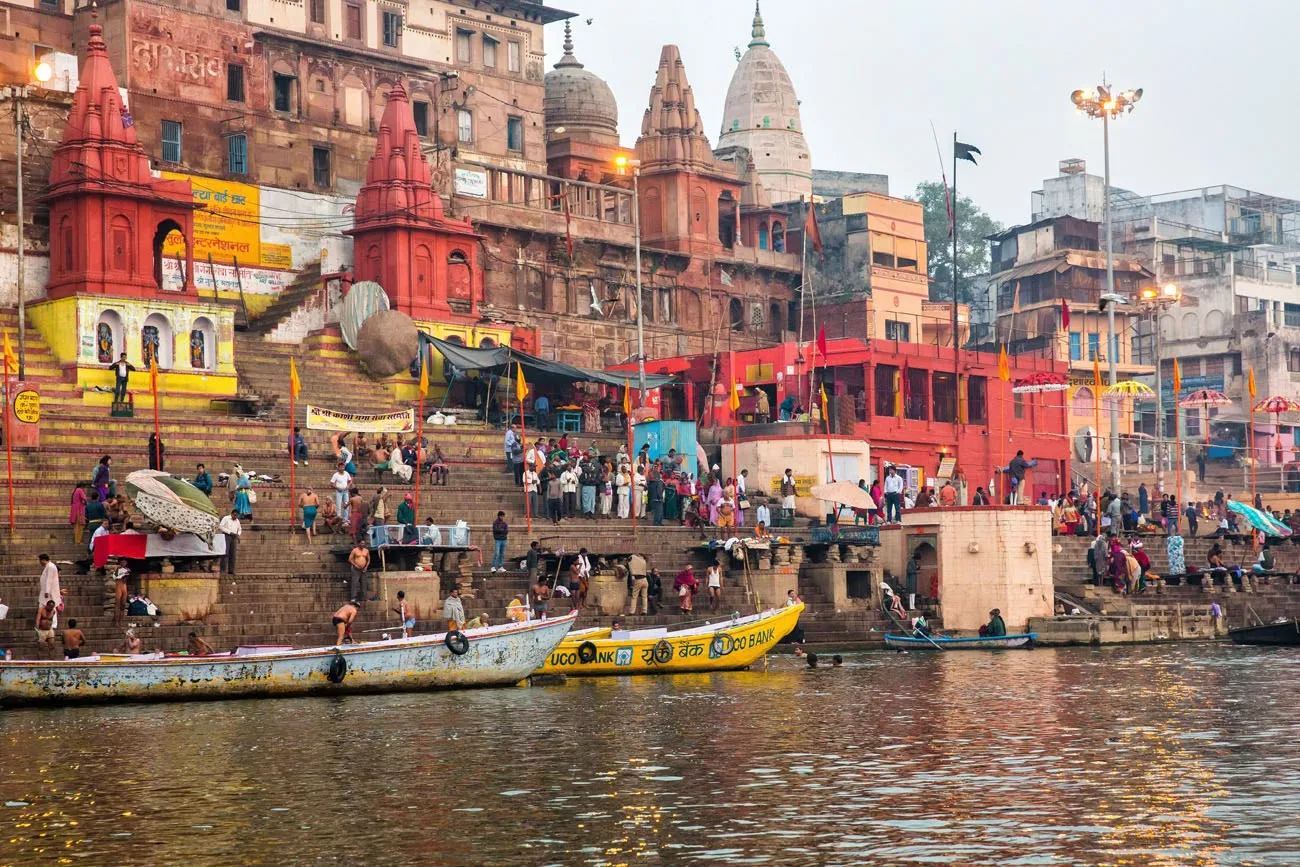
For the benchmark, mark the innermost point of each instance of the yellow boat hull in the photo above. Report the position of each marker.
(725, 646)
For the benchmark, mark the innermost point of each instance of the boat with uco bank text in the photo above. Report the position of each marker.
(728, 644)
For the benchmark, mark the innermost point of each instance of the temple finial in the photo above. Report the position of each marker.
(758, 34)
(568, 60)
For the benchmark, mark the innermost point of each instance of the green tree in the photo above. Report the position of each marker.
(973, 227)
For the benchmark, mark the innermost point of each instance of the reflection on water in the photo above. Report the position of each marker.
(1163, 755)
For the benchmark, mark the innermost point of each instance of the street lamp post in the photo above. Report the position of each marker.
(1156, 301)
(41, 72)
(1105, 103)
(623, 162)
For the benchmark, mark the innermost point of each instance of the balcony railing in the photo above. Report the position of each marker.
(522, 189)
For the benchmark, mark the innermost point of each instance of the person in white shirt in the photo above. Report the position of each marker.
(623, 484)
(763, 515)
(569, 487)
(341, 481)
(532, 487)
(231, 528)
(101, 530)
(893, 496)
(50, 589)
(638, 492)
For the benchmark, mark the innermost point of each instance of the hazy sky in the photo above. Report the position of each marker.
(1219, 81)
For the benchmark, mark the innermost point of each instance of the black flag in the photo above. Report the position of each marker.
(965, 151)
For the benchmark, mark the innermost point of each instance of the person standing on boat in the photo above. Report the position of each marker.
(997, 627)
(73, 640)
(342, 621)
(196, 646)
(453, 610)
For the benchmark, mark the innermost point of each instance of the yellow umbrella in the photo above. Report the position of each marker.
(1130, 388)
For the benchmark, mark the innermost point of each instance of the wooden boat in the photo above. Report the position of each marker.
(1282, 633)
(978, 642)
(491, 656)
(727, 644)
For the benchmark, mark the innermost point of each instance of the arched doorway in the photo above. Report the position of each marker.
(736, 314)
(156, 340)
(927, 574)
(165, 228)
(459, 285)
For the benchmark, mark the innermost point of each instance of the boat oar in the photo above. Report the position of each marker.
(903, 629)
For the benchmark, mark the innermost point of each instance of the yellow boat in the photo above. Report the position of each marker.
(725, 645)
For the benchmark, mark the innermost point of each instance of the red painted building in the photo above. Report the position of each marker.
(427, 262)
(905, 399)
(108, 215)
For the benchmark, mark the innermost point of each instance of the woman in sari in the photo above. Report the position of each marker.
(713, 499)
(77, 512)
(672, 501)
(1069, 516)
(243, 502)
(397, 465)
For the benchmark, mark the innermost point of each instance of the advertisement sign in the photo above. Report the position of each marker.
(228, 226)
(393, 422)
(27, 406)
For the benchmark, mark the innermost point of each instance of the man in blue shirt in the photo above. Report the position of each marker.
(542, 408)
(203, 481)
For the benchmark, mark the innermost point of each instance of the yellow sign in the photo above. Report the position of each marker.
(277, 255)
(393, 422)
(27, 406)
(227, 227)
(802, 485)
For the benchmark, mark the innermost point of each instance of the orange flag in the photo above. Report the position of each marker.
(295, 384)
(1178, 381)
(1004, 367)
(1250, 383)
(735, 396)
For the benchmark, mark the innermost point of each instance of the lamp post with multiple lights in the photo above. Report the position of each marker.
(623, 164)
(41, 73)
(1105, 103)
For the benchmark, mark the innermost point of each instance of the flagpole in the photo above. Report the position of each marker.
(1096, 438)
(157, 430)
(631, 455)
(9, 440)
(956, 343)
(523, 440)
(293, 458)
(419, 438)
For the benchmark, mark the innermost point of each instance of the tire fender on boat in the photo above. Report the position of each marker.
(722, 644)
(456, 642)
(338, 668)
(586, 652)
(663, 652)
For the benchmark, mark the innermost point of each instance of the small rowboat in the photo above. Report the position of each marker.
(726, 645)
(979, 642)
(491, 656)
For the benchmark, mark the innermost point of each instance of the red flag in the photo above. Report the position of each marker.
(810, 227)
(1065, 315)
(821, 342)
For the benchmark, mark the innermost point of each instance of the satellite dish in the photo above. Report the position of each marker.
(363, 300)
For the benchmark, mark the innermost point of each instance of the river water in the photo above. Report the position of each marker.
(1185, 754)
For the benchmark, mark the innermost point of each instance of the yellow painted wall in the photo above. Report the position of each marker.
(57, 323)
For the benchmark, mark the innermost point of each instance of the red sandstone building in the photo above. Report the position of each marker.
(904, 399)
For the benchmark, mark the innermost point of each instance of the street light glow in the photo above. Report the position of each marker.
(1102, 101)
(1172, 291)
(43, 72)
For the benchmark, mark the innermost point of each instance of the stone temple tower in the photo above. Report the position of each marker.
(762, 114)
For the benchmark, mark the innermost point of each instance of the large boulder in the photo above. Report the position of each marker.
(387, 343)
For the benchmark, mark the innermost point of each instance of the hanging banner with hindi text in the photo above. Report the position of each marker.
(393, 422)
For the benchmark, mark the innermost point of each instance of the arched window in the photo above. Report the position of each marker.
(1214, 323)
(487, 343)
(108, 337)
(203, 344)
(156, 341)
(767, 122)
(736, 312)
(160, 235)
(762, 237)
(65, 238)
(774, 320)
(1167, 327)
(1191, 326)
(423, 271)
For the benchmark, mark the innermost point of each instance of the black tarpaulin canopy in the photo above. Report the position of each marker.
(500, 360)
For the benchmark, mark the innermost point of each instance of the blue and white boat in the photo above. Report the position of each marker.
(978, 642)
(491, 656)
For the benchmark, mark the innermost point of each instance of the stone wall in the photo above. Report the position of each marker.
(990, 557)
